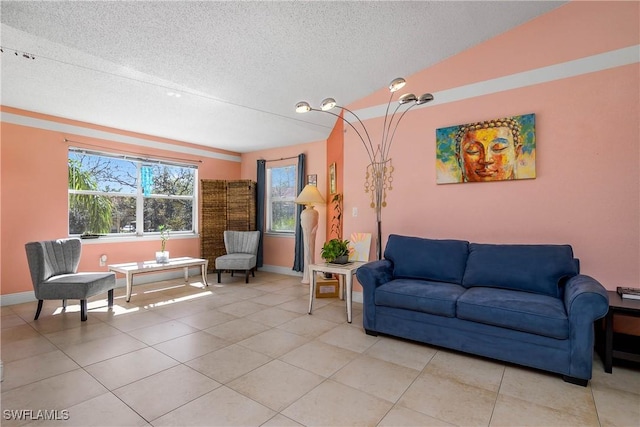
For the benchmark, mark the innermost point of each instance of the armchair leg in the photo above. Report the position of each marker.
(253, 272)
(110, 298)
(83, 310)
(39, 309)
(246, 276)
(218, 271)
(64, 304)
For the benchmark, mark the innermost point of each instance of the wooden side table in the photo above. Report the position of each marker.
(347, 270)
(618, 305)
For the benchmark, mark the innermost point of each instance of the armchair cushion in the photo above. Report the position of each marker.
(76, 286)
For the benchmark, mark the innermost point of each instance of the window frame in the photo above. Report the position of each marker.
(269, 201)
(138, 195)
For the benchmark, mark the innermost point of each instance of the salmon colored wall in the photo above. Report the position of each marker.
(335, 154)
(34, 195)
(279, 250)
(587, 190)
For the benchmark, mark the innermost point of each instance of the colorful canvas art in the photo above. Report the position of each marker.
(493, 150)
(359, 246)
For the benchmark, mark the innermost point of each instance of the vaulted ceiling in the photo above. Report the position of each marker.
(228, 74)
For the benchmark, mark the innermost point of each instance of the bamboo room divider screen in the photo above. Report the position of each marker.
(226, 205)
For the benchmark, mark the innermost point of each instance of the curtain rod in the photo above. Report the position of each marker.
(142, 156)
(281, 158)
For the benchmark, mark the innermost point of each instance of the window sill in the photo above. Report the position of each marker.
(134, 238)
(275, 234)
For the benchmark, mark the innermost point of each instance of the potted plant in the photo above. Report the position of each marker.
(163, 255)
(336, 251)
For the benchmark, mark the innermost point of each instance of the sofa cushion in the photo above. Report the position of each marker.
(427, 259)
(522, 311)
(540, 269)
(420, 295)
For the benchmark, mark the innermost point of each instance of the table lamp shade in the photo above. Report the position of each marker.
(309, 196)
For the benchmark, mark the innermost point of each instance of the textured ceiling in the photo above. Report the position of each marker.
(240, 67)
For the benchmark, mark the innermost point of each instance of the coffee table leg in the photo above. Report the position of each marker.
(203, 271)
(608, 342)
(129, 285)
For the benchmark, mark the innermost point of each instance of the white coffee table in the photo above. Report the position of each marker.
(346, 270)
(129, 269)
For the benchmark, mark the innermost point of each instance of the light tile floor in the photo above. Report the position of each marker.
(238, 354)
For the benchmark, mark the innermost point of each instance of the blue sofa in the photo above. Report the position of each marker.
(524, 304)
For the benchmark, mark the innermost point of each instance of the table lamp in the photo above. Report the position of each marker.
(309, 196)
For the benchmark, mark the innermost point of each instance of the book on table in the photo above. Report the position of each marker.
(630, 293)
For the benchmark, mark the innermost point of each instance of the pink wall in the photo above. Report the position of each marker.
(34, 195)
(335, 154)
(587, 192)
(279, 250)
(587, 189)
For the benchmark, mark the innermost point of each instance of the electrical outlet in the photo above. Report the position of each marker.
(103, 260)
(354, 212)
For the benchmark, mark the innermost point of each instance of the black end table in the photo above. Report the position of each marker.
(618, 305)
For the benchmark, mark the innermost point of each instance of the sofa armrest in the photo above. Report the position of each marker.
(371, 275)
(375, 273)
(585, 300)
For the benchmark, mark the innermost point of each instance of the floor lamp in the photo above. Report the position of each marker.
(379, 171)
(308, 197)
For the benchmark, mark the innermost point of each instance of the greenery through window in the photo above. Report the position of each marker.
(281, 193)
(117, 195)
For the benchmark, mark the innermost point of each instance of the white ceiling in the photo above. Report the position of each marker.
(240, 67)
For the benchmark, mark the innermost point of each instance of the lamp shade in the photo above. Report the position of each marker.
(309, 196)
(424, 98)
(397, 84)
(303, 107)
(407, 97)
(328, 104)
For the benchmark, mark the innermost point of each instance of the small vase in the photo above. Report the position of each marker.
(162, 257)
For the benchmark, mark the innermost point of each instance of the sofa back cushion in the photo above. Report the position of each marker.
(427, 259)
(540, 269)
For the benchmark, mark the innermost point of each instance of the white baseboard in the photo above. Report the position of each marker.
(357, 297)
(17, 298)
(141, 279)
(280, 270)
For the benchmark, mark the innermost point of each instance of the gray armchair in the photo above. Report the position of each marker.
(54, 264)
(242, 249)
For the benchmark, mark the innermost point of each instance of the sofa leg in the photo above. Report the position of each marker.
(64, 304)
(574, 380)
(370, 332)
(218, 271)
(83, 310)
(110, 298)
(39, 309)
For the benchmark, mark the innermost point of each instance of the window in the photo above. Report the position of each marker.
(118, 195)
(281, 193)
